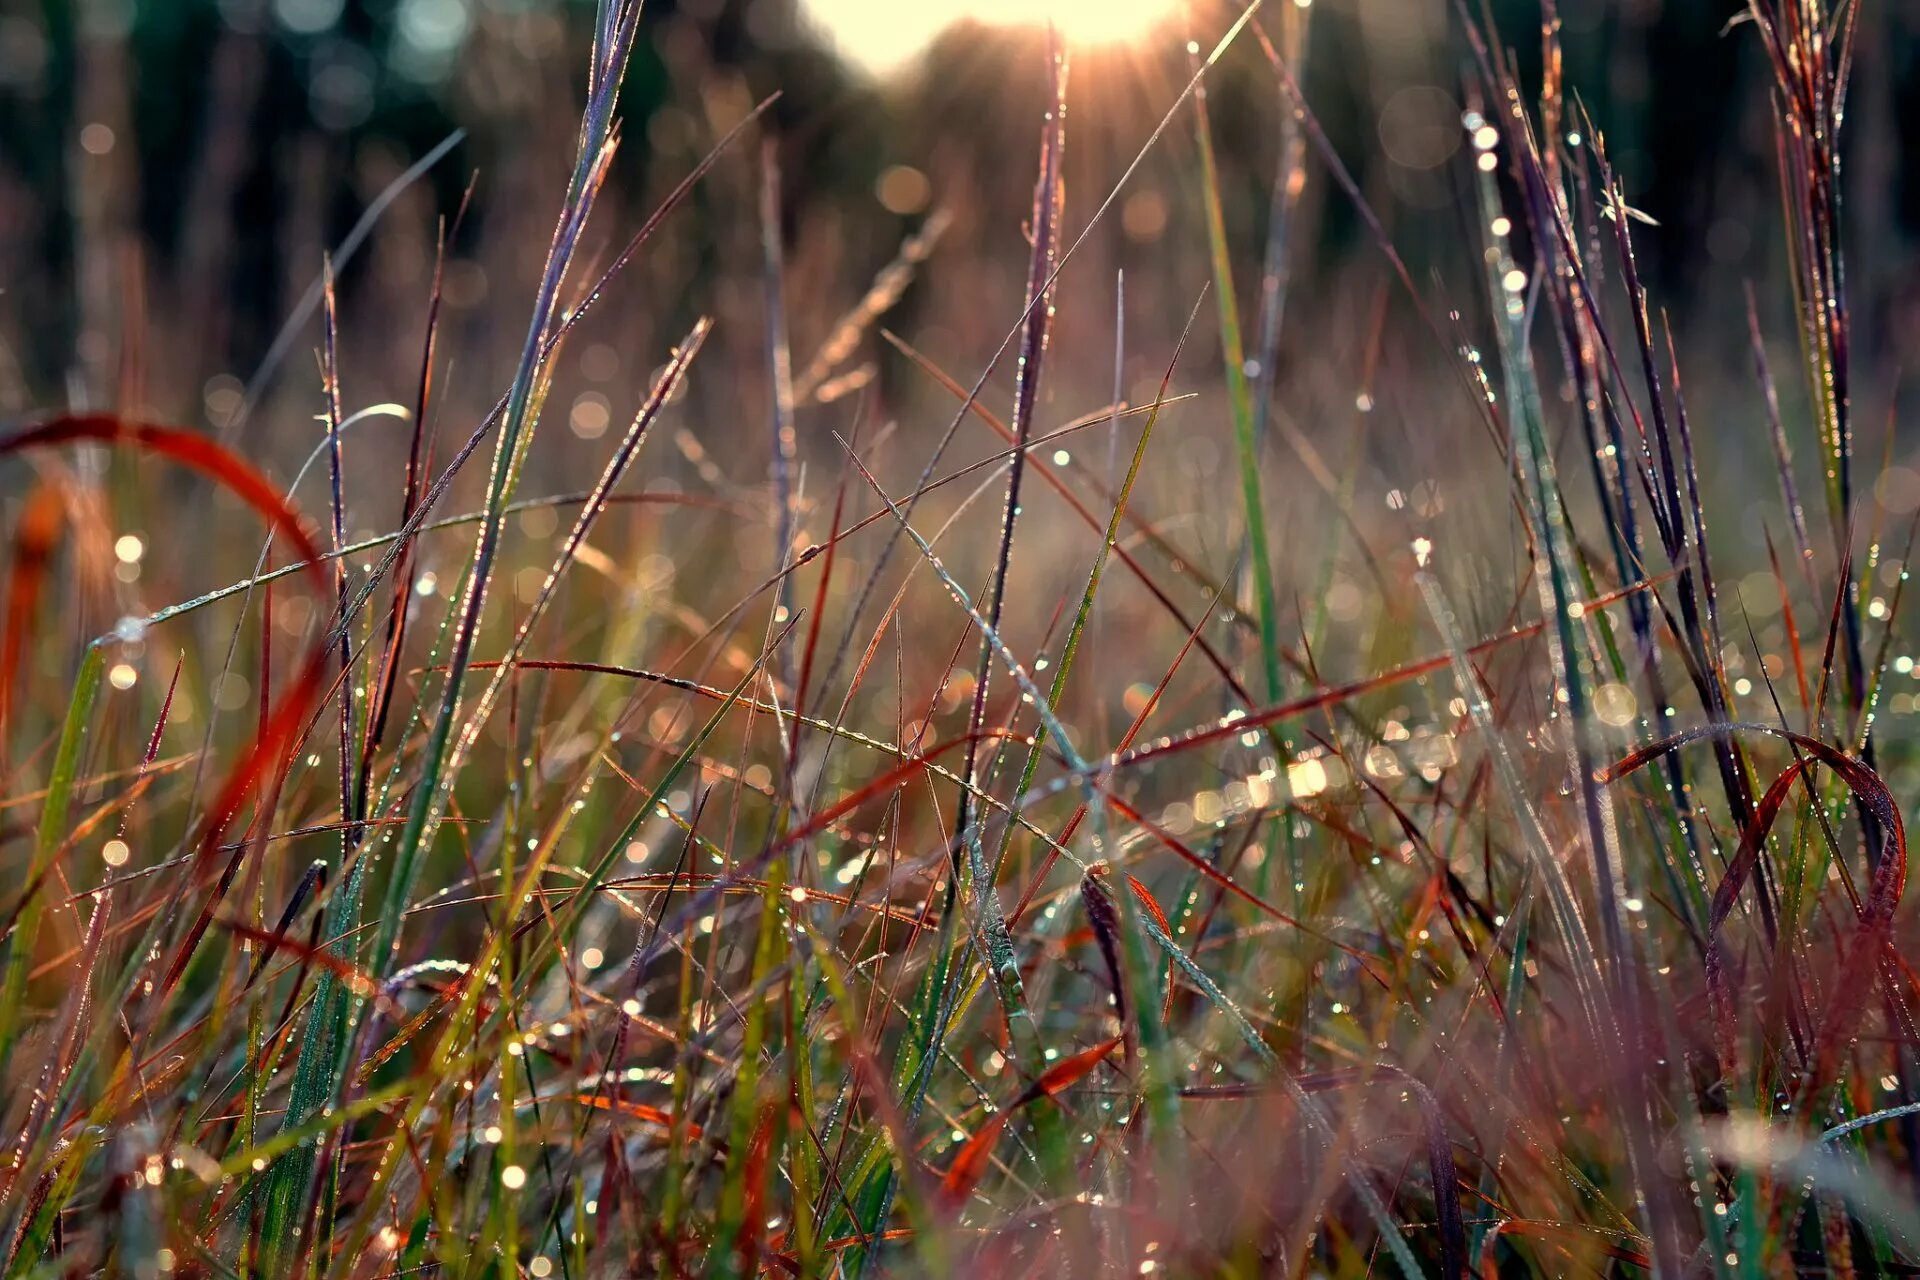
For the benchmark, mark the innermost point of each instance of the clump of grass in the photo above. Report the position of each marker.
(835, 918)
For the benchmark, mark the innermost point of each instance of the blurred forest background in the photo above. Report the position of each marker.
(171, 175)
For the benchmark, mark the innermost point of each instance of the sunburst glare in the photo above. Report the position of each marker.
(882, 35)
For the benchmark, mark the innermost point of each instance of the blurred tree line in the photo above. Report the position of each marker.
(201, 130)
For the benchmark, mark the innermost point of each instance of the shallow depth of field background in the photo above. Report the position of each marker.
(171, 176)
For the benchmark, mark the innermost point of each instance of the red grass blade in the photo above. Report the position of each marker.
(970, 1163)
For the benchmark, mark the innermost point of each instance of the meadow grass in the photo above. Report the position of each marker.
(828, 903)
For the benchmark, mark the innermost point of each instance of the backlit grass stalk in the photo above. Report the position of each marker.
(1049, 199)
(50, 838)
(780, 390)
(350, 793)
(1563, 214)
(1622, 1026)
(318, 1069)
(1239, 402)
(1283, 211)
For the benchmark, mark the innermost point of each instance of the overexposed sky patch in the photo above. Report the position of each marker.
(882, 35)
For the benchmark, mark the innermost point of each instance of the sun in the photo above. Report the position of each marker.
(1082, 21)
(882, 35)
